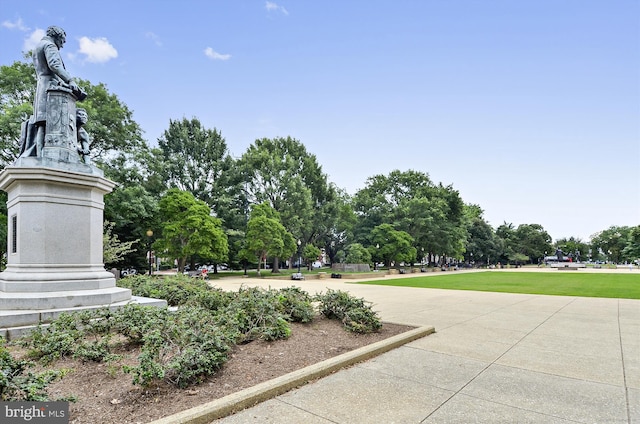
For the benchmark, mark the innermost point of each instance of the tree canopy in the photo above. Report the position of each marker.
(188, 229)
(274, 194)
(266, 236)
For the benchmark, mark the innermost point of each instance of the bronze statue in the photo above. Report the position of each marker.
(83, 136)
(51, 75)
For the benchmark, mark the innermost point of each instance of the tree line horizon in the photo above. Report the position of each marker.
(275, 203)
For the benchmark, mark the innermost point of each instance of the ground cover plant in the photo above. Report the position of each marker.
(180, 347)
(561, 283)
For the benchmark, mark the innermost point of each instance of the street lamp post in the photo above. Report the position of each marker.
(299, 255)
(375, 262)
(149, 235)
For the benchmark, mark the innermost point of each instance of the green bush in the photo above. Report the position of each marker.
(257, 314)
(57, 340)
(183, 350)
(186, 346)
(177, 290)
(356, 314)
(296, 304)
(134, 321)
(19, 384)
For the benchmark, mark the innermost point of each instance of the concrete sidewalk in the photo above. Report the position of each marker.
(495, 358)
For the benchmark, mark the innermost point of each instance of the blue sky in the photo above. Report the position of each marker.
(529, 108)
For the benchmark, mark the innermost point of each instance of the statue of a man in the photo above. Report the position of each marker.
(49, 70)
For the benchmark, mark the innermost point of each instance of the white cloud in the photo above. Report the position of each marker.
(19, 25)
(211, 54)
(97, 50)
(271, 6)
(153, 37)
(32, 40)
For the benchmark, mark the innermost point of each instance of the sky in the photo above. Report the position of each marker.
(529, 108)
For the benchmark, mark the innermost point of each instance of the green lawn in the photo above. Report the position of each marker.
(563, 283)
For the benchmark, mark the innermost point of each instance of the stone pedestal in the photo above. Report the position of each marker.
(60, 141)
(55, 250)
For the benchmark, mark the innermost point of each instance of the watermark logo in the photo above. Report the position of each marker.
(34, 412)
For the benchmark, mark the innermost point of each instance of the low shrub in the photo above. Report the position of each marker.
(183, 350)
(176, 289)
(296, 304)
(185, 346)
(19, 384)
(257, 314)
(355, 313)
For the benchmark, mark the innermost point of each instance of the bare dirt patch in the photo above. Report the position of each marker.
(106, 395)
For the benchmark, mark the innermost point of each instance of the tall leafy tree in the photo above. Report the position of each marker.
(111, 126)
(17, 90)
(357, 254)
(631, 252)
(282, 173)
(610, 243)
(392, 245)
(532, 241)
(431, 214)
(310, 254)
(507, 242)
(133, 211)
(266, 236)
(196, 159)
(336, 223)
(482, 244)
(188, 229)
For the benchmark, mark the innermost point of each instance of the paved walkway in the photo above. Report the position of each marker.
(495, 358)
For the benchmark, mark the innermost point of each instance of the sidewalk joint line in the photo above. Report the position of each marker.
(624, 373)
(497, 359)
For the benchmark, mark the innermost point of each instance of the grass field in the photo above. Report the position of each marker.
(565, 283)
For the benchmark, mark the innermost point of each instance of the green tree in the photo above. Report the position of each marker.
(188, 229)
(111, 125)
(394, 246)
(282, 173)
(482, 243)
(266, 236)
(357, 254)
(197, 160)
(113, 249)
(531, 240)
(411, 202)
(506, 242)
(337, 227)
(310, 254)
(631, 252)
(133, 211)
(610, 243)
(17, 90)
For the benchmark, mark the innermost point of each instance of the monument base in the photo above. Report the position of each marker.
(55, 245)
(18, 323)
